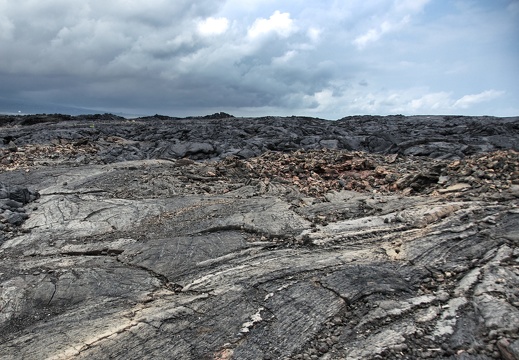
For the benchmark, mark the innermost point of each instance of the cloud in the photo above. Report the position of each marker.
(248, 6)
(360, 100)
(434, 101)
(213, 26)
(6, 28)
(413, 6)
(470, 100)
(94, 35)
(375, 34)
(314, 34)
(437, 102)
(279, 23)
(397, 17)
(287, 57)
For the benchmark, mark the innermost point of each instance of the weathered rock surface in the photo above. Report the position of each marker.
(126, 248)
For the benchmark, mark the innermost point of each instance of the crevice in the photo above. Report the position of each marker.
(97, 252)
(53, 293)
(335, 292)
(275, 241)
(104, 337)
(64, 193)
(96, 212)
(229, 227)
(163, 279)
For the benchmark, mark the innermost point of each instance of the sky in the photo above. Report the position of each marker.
(319, 58)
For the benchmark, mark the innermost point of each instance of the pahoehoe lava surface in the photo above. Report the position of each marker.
(259, 238)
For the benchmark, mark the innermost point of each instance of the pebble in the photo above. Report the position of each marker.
(443, 296)
(493, 334)
(337, 320)
(400, 347)
(323, 348)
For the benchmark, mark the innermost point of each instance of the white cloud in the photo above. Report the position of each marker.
(361, 100)
(473, 99)
(279, 23)
(314, 34)
(441, 102)
(213, 26)
(386, 21)
(285, 58)
(374, 34)
(325, 99)
(433, 101)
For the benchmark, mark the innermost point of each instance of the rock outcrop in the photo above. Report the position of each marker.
(271, 238)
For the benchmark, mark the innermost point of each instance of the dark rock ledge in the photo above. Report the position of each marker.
(269, 238)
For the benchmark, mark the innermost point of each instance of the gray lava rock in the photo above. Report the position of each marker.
(12, 200)
(140, 254)
(18, 194)
(14, 218)
(442, 137)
